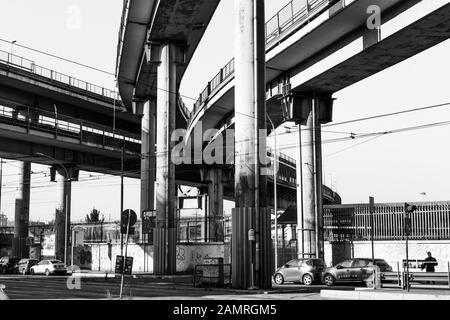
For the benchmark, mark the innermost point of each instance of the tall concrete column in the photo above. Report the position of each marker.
(308, 236)
(309, 177)
(250, 257)
(62, 215)
(148, 160)
(215, 205)
(164, 258)
(22, 212)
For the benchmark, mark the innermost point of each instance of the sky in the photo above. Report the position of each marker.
(392, 168)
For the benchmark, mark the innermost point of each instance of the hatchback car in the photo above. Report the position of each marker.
(352, 270)
(49, 267)
(25, 265)
(305, 271)
(7, 264)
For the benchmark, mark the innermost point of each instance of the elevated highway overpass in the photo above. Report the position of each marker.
(323, 48)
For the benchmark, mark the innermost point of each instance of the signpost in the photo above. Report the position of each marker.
(128, 219)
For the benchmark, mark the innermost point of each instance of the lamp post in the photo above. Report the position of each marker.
(11, 53)
(275, 203)
(66, 200)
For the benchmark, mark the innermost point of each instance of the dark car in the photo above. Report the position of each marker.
(352, 270)
(25, 265)
(305, 271)
(7, 264)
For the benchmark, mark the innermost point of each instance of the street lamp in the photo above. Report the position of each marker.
(12, 47)
(66, 180)
(275, 204)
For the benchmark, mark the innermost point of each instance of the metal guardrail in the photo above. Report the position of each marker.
(29, 65)
(61, 125)
(294, 14)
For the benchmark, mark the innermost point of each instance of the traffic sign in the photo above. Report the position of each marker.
(148, 221)
(124, 220)
(128, 265)
(119, 264)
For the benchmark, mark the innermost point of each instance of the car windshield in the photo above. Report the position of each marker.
(55, 261)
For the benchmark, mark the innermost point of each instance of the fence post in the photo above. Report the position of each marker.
(398, 275)
(448, 273)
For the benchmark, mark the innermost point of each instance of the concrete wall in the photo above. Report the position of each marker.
(391, 251)
(102, 257)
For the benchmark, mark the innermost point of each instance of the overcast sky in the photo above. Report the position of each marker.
(392, 168)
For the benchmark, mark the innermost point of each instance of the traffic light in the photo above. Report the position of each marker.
(408, 209)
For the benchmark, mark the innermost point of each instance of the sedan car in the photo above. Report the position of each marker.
(49, 267)
(7, 264)
(352, 270)
(305, 271)
(25, 265)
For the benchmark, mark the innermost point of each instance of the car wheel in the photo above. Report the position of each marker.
(307, 280)
(24, 271)
(278, 278)
(328, 280)
(47, 272)
(32, 272)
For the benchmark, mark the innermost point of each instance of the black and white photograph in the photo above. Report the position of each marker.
(225, 158)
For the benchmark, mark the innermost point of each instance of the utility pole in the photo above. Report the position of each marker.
(121, 195)
(371, 209)
(1, 182)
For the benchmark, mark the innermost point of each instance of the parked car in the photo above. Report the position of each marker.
(49, 267)
(25, 265)
(7, 264)
(352, 270)
(306, 271)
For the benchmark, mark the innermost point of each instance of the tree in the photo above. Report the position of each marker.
(94, 216)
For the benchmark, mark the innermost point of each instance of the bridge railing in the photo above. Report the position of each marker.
(30, 66)
(62, 125)
(293, 15)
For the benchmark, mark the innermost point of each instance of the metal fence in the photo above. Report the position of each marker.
(29, 66)
(431, 221)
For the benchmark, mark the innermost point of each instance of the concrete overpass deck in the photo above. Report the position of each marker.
(325, 49)
(23, 82)
(147, 22)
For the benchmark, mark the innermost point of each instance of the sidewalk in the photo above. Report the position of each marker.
(385, 294)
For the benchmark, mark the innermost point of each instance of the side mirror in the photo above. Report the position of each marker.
(339, 266)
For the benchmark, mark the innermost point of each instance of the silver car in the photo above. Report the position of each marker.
(352, 270)
(305, 271)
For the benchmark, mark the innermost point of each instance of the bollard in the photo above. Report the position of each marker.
(448, 274)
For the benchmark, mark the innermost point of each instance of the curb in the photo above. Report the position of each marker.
(380, 295)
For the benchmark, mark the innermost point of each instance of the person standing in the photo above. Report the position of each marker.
(429, 263)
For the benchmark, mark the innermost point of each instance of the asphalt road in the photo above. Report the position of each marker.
(55, 287)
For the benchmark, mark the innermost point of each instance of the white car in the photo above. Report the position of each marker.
(49, 267)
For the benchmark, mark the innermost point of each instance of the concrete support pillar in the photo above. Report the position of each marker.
(308, 236)
(164, 258)
(148, 160)
(215, 205)
(309, 176)
(62, 215)
(250, 255)
(22, 212)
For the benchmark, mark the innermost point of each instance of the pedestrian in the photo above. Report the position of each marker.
(429, 263)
